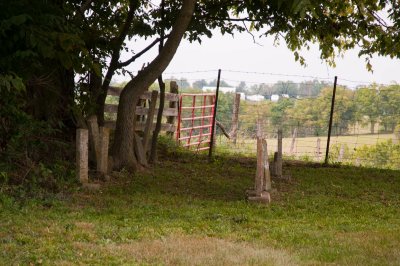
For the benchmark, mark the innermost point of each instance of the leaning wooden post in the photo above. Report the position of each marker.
(82, 168)
(173, 88)
(318, 152)
(141, 103)
(293, 141)
(102, 164)
(278, 163)
(235, 118)
(341, 153)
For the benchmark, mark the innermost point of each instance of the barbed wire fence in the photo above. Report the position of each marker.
(364, 132)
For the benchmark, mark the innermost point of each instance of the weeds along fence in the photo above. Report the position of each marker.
(365, 123)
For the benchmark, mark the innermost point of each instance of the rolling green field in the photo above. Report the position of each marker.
(303, 146)
(187, 211)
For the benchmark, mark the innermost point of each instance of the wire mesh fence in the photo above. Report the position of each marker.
(365, 123)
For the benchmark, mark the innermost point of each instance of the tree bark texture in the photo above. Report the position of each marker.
(372, 126)
(123, 148)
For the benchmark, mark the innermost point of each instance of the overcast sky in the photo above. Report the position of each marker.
(240, 59)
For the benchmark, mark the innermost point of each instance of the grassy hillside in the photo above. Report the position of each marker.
(188, 211)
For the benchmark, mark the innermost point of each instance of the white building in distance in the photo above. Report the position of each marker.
(221, 89)
(274, 97)
(255, 98)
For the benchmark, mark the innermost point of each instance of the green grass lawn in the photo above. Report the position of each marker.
(186, 211)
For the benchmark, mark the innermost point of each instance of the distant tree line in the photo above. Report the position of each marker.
(365, 106)
(310, 88)
(292, 89)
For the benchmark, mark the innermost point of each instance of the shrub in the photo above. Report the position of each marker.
(384, 155)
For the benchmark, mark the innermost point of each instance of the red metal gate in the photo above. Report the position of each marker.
(195, 119)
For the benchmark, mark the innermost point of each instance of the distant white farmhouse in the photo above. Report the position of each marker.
(255, 98)
(274, 97)
(221, 89)
(242, 96)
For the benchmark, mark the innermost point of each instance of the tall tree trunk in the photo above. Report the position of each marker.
(123, 148)
(157, 130)
(372, 126)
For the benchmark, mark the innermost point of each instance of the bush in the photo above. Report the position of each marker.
(396, 133)
(383, 155)
(335, 152)
(35, 161)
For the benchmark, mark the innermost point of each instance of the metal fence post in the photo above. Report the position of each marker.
(214, 116)
(330, 121)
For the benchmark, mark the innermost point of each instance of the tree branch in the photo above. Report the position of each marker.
(252, 35)
(221, 126)
(115, 55)
(136, 56)
(116, 51)
(246, 19)
(380, 21)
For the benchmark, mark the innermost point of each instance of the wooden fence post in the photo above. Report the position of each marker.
(141, 103)
(139, 150)
(260, 168)
(341, 153)
(318, 152)
(278, 164)
(267, 175)
(82, 168)
(293, 141)
(173, 88)
(262, 181)
(102, 163)
(235, 118)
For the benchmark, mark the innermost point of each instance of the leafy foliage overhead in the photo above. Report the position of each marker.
(71, 31)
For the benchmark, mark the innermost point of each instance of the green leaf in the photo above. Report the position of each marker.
(18, 84)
